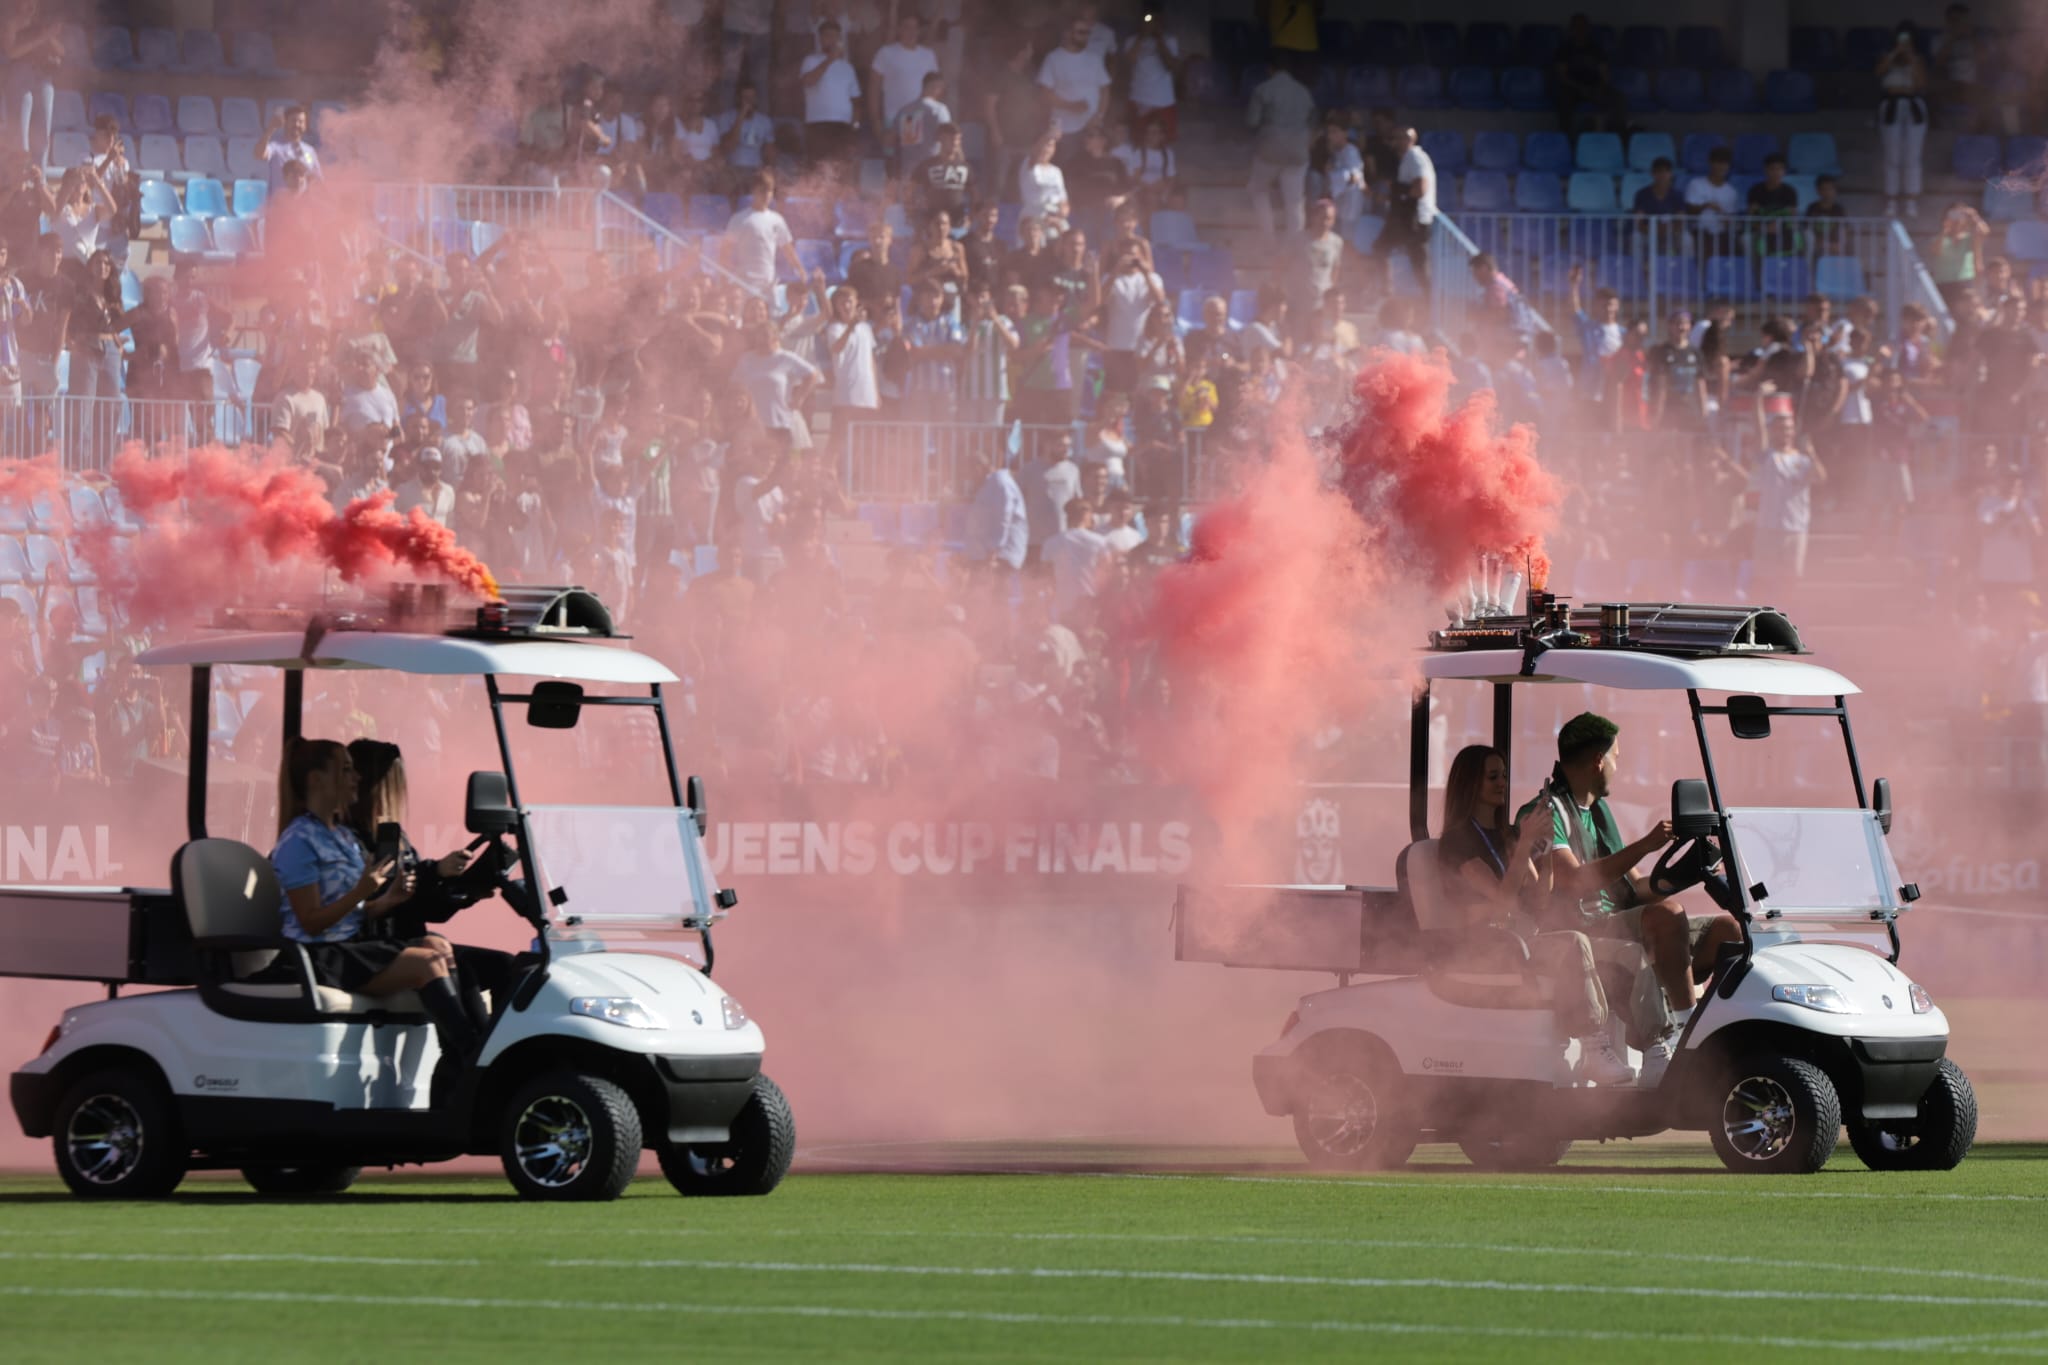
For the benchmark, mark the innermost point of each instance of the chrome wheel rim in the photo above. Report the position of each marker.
(1343, 1114)
(551, 1141)
(1758, 1118)
(104, 1139)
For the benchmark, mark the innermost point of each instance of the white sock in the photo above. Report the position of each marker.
(1679, 1017)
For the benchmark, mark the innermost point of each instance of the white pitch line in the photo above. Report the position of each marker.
(1254, 1278)
(991, 1318)
(1736, 1188)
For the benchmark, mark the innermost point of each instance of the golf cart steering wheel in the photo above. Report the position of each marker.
(1684, 865)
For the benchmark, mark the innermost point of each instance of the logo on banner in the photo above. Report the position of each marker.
(1317, 858)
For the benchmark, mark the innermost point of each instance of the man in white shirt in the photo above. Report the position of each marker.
(850, 342)
(1712, 199)
(1411, 210)
(1051, 479)
(831, 92)
(1077, 557)
(755, 235)
(745, 134)
(1314, 269)
(286, 142)
(302, 414)
(1127, 302)
(1784, 479)
(1282, 115)
(1153, 58)
(426, 489)
(998, 525)
(899, 70)
(365, 398)
(1073, 76)
(462, 441)
(1124, 534)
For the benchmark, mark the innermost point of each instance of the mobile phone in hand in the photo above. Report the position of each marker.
(388, 840)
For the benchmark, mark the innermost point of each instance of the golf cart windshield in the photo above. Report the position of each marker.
(1816, 863)
(633, 869)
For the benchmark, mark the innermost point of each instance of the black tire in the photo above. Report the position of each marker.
(753, 1162)
(1354, 1113)
(1525, 1152)
(569, 1136)
(300, 1179)
(1937, 1140)
(1775, 1116)
(117, 1136)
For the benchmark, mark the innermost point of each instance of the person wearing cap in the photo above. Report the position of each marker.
(1596, 889)
(426, 489)
(1784, 480)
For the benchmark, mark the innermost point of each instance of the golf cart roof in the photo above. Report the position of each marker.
(407, 652)
(1641, 671)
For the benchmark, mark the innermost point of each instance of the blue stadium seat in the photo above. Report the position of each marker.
(2027, 240)
(1644, 149)
(111, 102)
(1681, 90)
(1807, 187)
(1839, 277)
(1728, 277)
(1486, 192)
(1975, 157)
(1750, 151)
(232, 237)
(189, 240)
(1673, 277)
(1645, 46)
(1813, 154)
(1439, 43)
(243, 161)
(817, 254)
(1421, 87)
(1700, 46)
(1733, 91)
(1547, 152)
(1473, 87)
(2005, 203)
(1496, 149)
(1630, 183)
(256, 55)
(205, 198)
(1600, 152)
(1369, 87)
(156, 49)
(1591, 192)
(1621, 273)
(1787, 277)
(250, 197)
(68, 149)
(203, 156)
(153, 114)
(1814, 49)
(710, 212)
(317, 117)
(884, 518)
(159, 203)
(1538, 44)
(1490, 45)
(1244, 306)
(2025, 153)
(240, 116)
(68, 114)
(1790, 92)
(1174, 228)
(159, 153)
(1697, 148)
(203, 54)
(1386, 41)
(1633, 83)
(665, 209)
(1522, 88)
(847, 247)
(1366, 231)
(112, 48)
(1539, 192)
(1212, 269)
(1189, 314)
(808, 217)
(1446, 150)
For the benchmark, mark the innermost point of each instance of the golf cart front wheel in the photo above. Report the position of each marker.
(117, 1137)
(754, 1160)
(1937, 1140)
(1526, 1152)
(1353, 1115)
(1777, 1116)
(300, 1179)
(569, 1136)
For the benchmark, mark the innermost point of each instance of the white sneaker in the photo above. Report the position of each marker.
(1599, 1063)
(1656, 1057)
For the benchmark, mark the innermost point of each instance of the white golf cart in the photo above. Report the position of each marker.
(612, 1040)
(1808, 1023)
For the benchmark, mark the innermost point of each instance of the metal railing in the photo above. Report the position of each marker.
(89, 432)
(943, 461)
(1658, 264)
(1453, 296)
(438, 220)
(1910, 281)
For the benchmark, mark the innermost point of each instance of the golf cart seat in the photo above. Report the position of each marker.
(1470, 965)
(230, 895)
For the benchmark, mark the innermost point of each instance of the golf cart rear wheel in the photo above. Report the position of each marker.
(753, 1162)
(1353, 1115)
(567, 1136)
(1526, 1152)
(117, 1137)
(1937, 1140)
(300, 1179)
(1775, 1116)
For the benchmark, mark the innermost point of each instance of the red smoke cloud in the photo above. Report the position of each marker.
(215, 522)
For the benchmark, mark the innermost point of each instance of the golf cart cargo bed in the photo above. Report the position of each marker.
(114, 935)
(1361, 930)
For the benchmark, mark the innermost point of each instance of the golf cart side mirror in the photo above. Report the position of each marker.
(693, 797)
(1749, 717)
(488, 806)
(1881, 802)
(556, 705)
(1692, 810)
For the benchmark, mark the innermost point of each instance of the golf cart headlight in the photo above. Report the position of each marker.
(1826, 999)
(735, 1017)
(624, 1011)
(1922, 1001)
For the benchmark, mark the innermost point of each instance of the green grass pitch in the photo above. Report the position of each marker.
(1627, 1253)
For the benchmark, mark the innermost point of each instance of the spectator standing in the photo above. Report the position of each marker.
(944, 181)
(31, 39)
(1013, 110)
(1902, 120)
(756, 236)
(876, 272)
(931, 382)
(749, 42)
(1152, 61)
(1077, 556)
(426, 489)
(1051, 479)
(899, 69)
(1784, 480)
(94, 335)
(914, 129)
(1074, 76)
(1152, 167)
(746, 137)
(202, 327)
(1313, 271)
(461, 313)
(991, 339)
(51, 291)
(110, 164)
(1042, 187)
(939, 260)
(1958, 252)
(1337, 173)
(1160, 353)
(984, 252)
(1662, 202)
(1712, 200)
(84, 211)
(1579, 75)
(365, 399)
(998, 525)
(697, 139)
(1603, 345)
(1045, 359)
(153, 364)
(462, 442)
(1677, 378)
(285, 143)
(1282, 116)
(831, 94)
(1411, 209)
(779, 383)
(850, 342)
(1105, 443)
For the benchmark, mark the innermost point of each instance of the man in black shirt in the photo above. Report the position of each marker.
(1381, 152)
(984, 253)
(1075, 272)
(1678, 383)
(1771, 197)
(876, 271)
(943, 181)
(1095, 179)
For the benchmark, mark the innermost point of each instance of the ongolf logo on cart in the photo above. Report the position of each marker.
(1442, 1064)
(205, 1082)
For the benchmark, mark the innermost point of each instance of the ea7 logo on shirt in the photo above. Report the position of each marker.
(1435, 1064)
(216, 1083)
